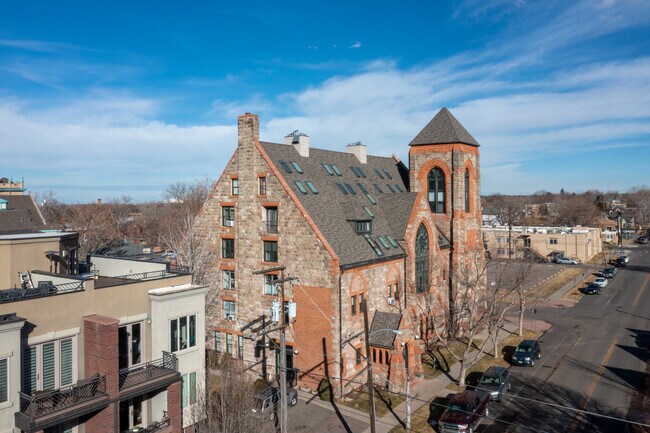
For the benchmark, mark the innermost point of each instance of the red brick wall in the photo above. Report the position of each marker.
(174, 409)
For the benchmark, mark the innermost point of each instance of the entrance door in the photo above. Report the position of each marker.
(130, 345)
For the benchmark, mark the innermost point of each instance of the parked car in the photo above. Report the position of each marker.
(622, 261)
(565, 261)
(601, 281)
(609, 272)
(641, 240)
(267, 400)
(496, 381)
(592, 289)
(526, 353)
(464, 412)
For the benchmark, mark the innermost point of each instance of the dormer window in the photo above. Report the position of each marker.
(362, 226)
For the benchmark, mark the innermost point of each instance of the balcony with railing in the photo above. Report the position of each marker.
(161, 426)
(44, 409)
(150, 376)
(20, 294)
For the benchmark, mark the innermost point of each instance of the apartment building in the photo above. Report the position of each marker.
(544, 243)
(119, 348)
(338, 230)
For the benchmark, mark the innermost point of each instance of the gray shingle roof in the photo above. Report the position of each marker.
(381, 331)
(335, 213)
(21, 216)
(444, 128)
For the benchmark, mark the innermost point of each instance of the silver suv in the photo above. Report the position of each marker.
(268, 399)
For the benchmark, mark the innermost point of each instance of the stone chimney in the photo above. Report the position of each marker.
(300, 141)
(99, 201)
(359, 150)
(248, 129)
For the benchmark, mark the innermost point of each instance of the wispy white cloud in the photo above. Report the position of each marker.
(356, 44)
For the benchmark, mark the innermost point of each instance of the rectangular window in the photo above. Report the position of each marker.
(228, 280)
(270, 251)
(357, 356)
(379, 174)
(553, 241)
(228, 310)
(527, 242)
(271, 223)
(399, 188)
(354, 170)
(48, 365)
(234, 186)
(361, 303)
(217, 342)
(390, 188)
(227, 215)
(360, 170)
(229, 344)
(353, 306)
(285, 166)
(182, 333)
(362, 226)
(328, 169)
(311, 187)
(262, 185)
(369, 212)
(342, 188)
(391, 241)
(188, 389)
(270, 285)
(349, 187)
(336, 170)
(240, 347)
(300, 186)
(228, 248)
(296, 166)
(383, 242)
(378, 188)
(387, 173)
(362, 188)
(4, 380)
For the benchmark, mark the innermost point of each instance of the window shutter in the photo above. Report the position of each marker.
(29, 370)
(66, 362)
(3, 380)
(48, 366)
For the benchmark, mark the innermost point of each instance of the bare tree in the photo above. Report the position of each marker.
(640, 198)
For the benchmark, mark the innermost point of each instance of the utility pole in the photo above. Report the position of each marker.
(371, 385)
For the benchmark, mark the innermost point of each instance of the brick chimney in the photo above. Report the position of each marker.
(300, 141)
(359, 150)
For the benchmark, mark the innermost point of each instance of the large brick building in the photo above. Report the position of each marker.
(350, 227)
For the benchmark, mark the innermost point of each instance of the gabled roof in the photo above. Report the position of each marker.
(444, 128)
(336, 213)
(21, 216)
(381, 330)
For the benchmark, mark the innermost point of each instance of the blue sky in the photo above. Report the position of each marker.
(105, 99)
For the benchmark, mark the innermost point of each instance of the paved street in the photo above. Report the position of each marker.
(593, 359)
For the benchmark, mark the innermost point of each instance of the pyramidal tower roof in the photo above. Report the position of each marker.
(444, 128)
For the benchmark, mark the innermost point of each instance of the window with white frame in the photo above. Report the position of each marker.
(188, 389)
(270, 284)
(228, 280)
(240, 346)
(4, 380)
(234, 186)
(49, 365)
(182, 332)
(229, 348)
(553, 241)
(228, 308)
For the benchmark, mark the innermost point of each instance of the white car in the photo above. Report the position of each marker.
(566, 261)
(601, 281)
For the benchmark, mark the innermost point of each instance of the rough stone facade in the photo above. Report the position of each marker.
(325, 337)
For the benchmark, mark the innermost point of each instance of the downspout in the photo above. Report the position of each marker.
(340, 335)
(404, 283)
(451, 249)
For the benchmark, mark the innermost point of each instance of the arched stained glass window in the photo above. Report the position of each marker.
(422, 260)
(436, 181)
(466, 190)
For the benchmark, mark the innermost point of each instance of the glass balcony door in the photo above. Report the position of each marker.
(131, 348)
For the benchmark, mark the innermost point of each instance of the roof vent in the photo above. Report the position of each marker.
(359, 150)
(300, 141)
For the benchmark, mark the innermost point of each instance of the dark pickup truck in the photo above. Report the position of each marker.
(464, 412)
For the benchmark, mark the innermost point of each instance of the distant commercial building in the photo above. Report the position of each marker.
(543, 243)
(119, 348)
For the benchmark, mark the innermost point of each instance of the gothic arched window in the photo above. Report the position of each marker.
(422, 260)
(436, 180)
(466, 190)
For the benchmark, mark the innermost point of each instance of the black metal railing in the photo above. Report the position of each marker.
(156, 426)
(270, 227)
(11, 295)
(46, 402)
(138, 374)
(162, 273)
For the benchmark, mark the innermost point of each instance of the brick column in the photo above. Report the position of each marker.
(101, 354)
(174, 409)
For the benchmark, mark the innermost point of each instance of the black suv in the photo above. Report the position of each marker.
(496, 381)
(526, 353)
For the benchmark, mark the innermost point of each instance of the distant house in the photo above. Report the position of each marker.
(18, 212)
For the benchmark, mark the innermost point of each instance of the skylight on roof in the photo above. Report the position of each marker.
(354, 170)
(399, 188)
(300, 186)
(296, 166)
(374, 245)
(381, 176)
(387, 173)
(369, 212)
(362, 188)
(390, 188)
(328, 169)
(371, 198)
(383, 242)
(378, 188)
(349, 187)
(342, 188)
(392, 241)
(360, 170)
(336, 170)
(285, 166)
(311, 186)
